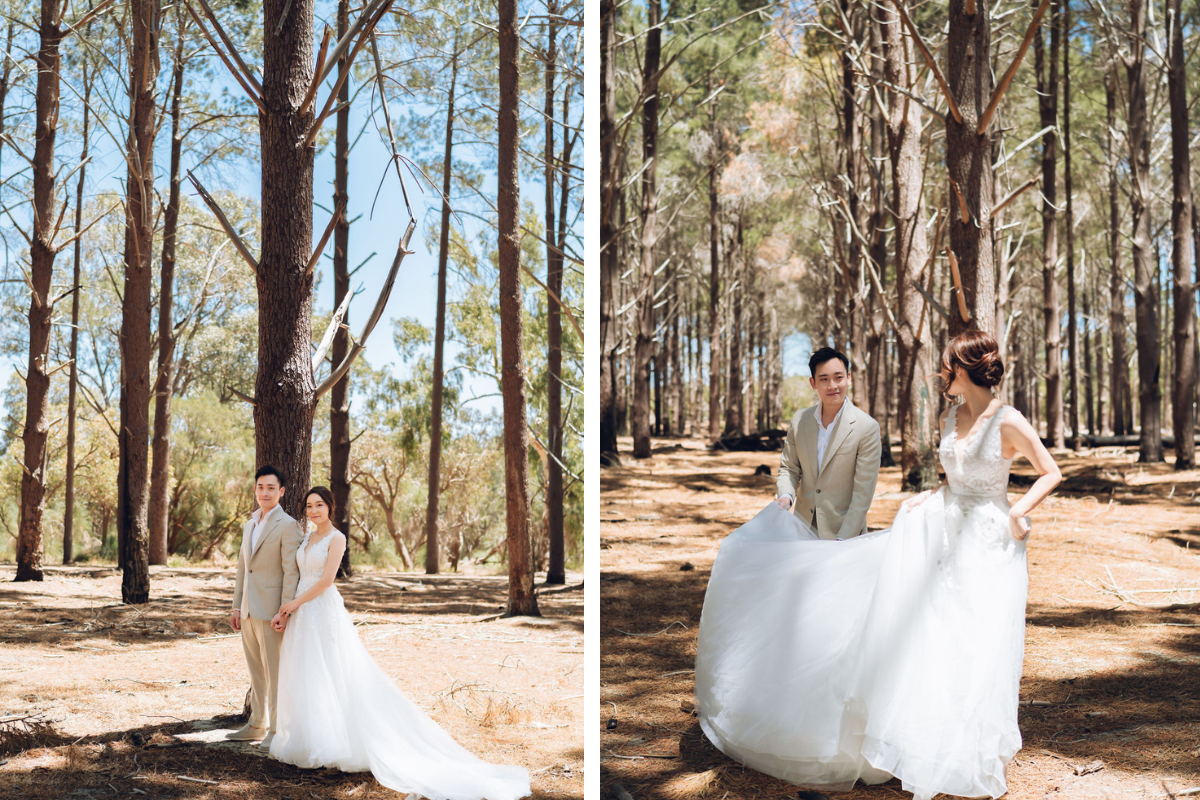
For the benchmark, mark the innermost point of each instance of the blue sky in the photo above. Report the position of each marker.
(414, 293)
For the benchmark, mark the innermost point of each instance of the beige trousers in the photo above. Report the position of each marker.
(261, 643)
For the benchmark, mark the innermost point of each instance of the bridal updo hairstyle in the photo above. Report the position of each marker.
(979, 356)
(324, 494)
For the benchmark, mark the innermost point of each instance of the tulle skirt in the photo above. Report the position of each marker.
(338, 709)
(896, 653)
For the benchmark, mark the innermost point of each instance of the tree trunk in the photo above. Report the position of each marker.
(644, 352)
(714, 278)
(1144, 267)
(1089, 374)
(1047, 89)
(917, 404)
(733, 390)
(877, 225)
(69, 499)
(1182, 249)
(851, 142)
(432, 539)
(164, 383)
(41, 268)
(521, 599)
(132, 479)
(969, 161)
(1072, 317)
(609, 265)
(339, 393)
(284, 387)
(556, 569)
(1116, 312)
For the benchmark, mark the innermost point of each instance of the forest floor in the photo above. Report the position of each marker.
(1109, 697)
(138, 697)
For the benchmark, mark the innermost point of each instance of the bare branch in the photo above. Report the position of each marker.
(86, 228)
(933, 67)
(1013, 196)
(986, 119)
(557, 301)
(216, 209)
(241, 396)
(237, 76)
(327, 109)
(963, 211)
(361, 343)
(312, 88)
(344, 42)
(316, 256)
(954, 274)
(334, 324)
(232, 49)
(89, 16)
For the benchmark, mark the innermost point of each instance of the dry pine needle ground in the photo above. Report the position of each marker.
(118, 692)
(1110, 698)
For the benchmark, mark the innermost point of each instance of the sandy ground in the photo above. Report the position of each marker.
(138, 693)
(1110, 698)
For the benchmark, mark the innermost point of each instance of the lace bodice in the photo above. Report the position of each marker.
(312, 562)
(977, 465)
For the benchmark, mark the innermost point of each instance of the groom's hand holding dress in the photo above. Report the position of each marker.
(830, 488)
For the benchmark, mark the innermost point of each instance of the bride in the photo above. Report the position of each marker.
(338, 709)
(896, 653)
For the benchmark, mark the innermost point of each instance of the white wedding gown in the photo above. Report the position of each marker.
(338, 709)
(896, 653)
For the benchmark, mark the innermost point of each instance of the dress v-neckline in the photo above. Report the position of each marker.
(310, 544)
(971, 434)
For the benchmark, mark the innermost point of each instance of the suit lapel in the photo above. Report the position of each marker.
(275, 519)
(808, 436)
(838, 435)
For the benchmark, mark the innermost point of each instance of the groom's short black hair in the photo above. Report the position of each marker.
(825, 354)
(267, 469)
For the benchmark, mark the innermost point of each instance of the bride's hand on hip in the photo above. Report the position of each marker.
(1020, 525)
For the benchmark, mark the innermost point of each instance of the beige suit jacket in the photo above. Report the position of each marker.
(267, 576)
(835, 497)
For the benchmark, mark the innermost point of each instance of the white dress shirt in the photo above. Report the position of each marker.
(260, 524)
(823, 433)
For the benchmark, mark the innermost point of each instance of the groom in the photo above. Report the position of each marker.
(831, 454)
(266, 579)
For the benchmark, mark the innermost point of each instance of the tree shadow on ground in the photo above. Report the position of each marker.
(150, 760)
(72, 618)
(1129, 718)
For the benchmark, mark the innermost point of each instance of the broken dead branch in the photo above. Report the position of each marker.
(216, 209)
(928, 56)
(986, 119)
(360, 344)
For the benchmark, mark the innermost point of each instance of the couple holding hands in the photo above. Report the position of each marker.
(318, 699)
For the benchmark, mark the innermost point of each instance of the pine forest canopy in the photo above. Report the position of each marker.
(171, 230)
(879, 175)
